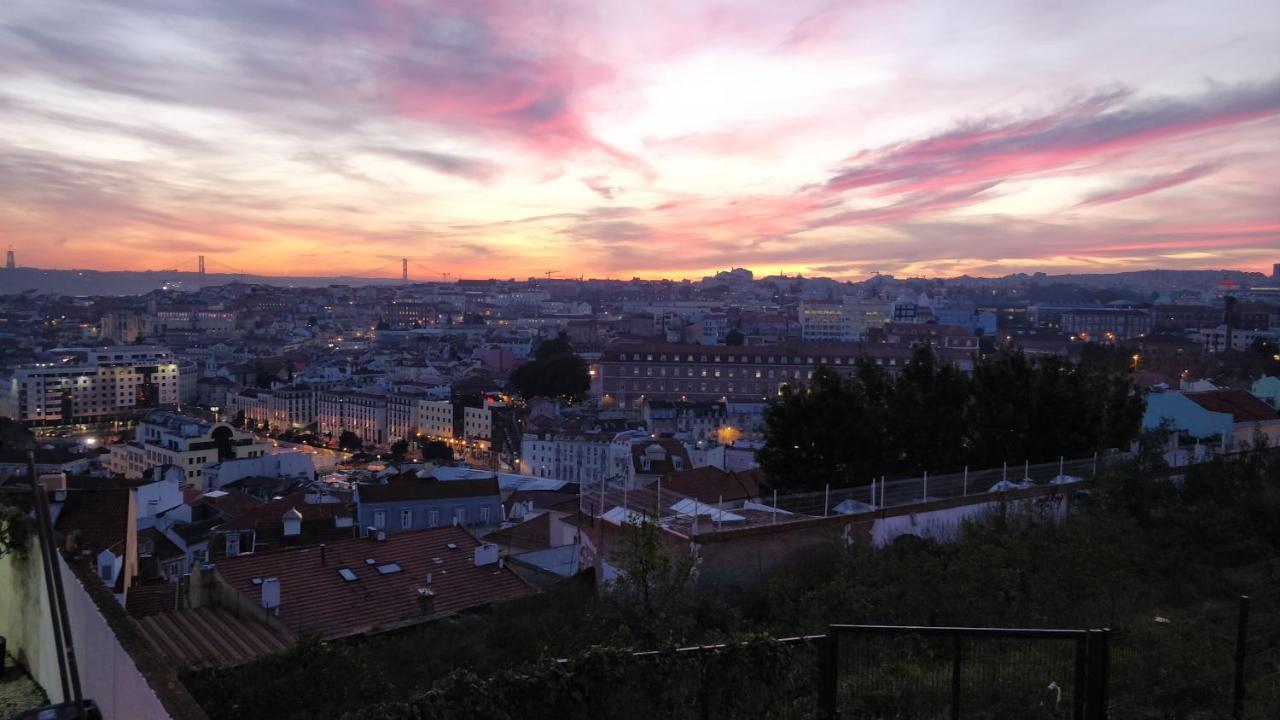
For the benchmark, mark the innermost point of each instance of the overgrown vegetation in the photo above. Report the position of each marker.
(1159, 560)
(15, 531)
(935, 418)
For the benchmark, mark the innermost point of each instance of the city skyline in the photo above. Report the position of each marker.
(671, 140)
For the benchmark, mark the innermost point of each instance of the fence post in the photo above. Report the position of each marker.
(826, 500)
(1078, 688)
(828, 672)
(965, 489)
(955, 680)
(1242, 634)
(1099, 672)
(925, 497)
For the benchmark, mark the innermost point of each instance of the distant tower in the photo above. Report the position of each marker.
(1275, 271)
(9, 261)
(404, 269)
(201, 264)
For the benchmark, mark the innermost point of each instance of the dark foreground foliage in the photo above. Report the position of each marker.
(1161, 560)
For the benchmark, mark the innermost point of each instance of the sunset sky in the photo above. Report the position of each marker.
(651, 138)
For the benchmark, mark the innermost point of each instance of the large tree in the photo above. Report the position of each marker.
(555, 371)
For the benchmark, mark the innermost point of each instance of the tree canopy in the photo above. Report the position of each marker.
(846, 430)
(435, 450)
(555, 371)
(350, 441)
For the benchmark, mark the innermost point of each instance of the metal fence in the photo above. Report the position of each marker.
(880, 672)
(1223, 658)
(885, 493)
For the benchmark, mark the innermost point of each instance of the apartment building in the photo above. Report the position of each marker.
(167, 438)
(363, 412)
(81, 386)
(435, 418)
(1107, 324)
(279, 409)
(635, 372)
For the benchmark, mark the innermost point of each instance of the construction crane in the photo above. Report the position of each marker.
(549, 273)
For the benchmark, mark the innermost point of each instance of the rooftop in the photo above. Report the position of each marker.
(1241, 405)
(409, 486)
(386, 578)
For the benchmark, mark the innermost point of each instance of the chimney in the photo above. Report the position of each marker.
(292, 522)
(322, 555)
(271, 594)
(486, 554)
(427, 600)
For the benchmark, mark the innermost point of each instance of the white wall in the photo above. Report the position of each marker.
(945, 525)
(108, 675)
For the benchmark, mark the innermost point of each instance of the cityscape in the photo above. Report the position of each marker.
(400, 360)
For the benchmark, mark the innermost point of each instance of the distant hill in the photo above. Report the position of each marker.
(128, 282)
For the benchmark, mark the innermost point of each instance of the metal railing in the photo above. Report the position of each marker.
(878, 671)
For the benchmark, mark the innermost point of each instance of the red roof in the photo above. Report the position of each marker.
(532, 534)
(316, 599)
(210, 634)
(712, 485)
(1241, 405)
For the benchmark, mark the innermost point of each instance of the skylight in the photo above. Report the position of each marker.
(388, 568)
(347, 574)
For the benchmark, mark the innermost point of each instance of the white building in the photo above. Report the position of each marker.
(279, 409)
(91, 385)
(167, 438)
(435, 418)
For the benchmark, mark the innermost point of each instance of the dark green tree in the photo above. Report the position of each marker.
(555, 371)
(350, 441)
(399, 449)
(735, 337)
(654, 582)
(436, 450)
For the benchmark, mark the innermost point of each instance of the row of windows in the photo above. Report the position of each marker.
(757, 359)
(432, 519)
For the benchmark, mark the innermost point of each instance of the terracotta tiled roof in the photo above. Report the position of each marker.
(710, 484)
(161, 547)
(229, 505)
(1239, 404)
(673, 448)
(144, 600)
(267, 520)
(532, 534)
(316, 599)
(210, 634)
(542, 499)
(100, 516)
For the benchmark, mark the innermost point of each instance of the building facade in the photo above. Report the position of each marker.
(91, 386)
(632, 373)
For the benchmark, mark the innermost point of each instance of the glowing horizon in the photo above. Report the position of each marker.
(664, 139)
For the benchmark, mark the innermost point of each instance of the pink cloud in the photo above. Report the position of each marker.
(1099, 128)
(1151, 185)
